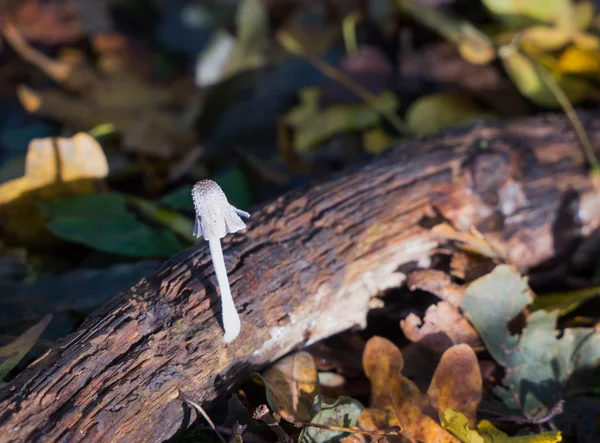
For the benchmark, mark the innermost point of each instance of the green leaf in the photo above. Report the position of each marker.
(175, 222)
(234, 183)
(180, 199)
(120, 235)
(540, 366)
(101, 221)
(492, 301)
(534, 368)
(565, 302)
(344, 412)
(537, 364)
(13, 353)
(80, 290)
(87, 206)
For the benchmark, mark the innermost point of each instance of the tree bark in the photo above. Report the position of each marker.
(309, 265)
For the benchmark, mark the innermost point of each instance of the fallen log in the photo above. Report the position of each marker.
(309, 265)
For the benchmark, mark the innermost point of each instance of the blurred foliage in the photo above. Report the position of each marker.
(112, 110)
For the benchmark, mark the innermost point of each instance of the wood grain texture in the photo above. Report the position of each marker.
(309, 265)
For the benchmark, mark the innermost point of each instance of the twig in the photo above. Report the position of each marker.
(557, 409)
(249, 437)
(204, 414)
(293, 46)
(165, 217)
(392, 430)
(262, 414)
(59, 71)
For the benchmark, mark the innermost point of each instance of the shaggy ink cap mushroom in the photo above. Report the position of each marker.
(215, 218)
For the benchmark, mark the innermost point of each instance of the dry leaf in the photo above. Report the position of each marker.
(469, 266)
(12, 353)
(54, 168)
(397, 401)
(292, 385)
(149, 116)
(442, 327)
(457, 382)
(438, 283)
(470, 241)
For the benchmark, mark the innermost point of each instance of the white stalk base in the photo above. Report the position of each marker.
(231, 319)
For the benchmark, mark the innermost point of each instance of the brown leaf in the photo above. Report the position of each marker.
(147, 114)
(438, 283)
(292, 385)
(457, 382)
(442, 327)
(395, 400)
(12, 353)
(469, 241)
(469, 266)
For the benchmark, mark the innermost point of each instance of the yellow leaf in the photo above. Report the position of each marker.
(458, 425)
(54, 168)
(546, 38)
(434, 112)
(376, 141)
(585, 40)
(491, 434)
(526, 77)
(575, 60)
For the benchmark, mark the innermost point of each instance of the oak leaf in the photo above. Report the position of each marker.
(397, 401)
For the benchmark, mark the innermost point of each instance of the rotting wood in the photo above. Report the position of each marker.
(309, 265)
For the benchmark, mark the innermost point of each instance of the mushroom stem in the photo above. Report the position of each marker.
(231, 319)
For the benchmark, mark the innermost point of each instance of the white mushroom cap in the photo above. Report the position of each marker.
(215, 217)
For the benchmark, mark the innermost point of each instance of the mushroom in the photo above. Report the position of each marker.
(215, 218)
